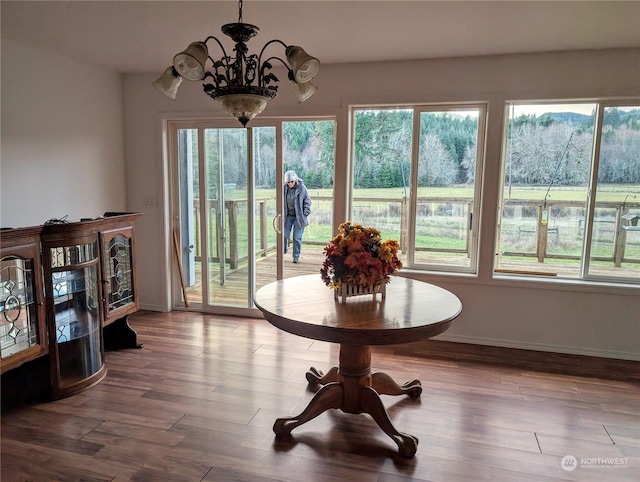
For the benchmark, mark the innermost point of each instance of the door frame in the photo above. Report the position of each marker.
(176, 290)
(173, 202)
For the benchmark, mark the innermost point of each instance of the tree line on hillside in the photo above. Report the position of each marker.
(556, 148)
(551, 148)
(308, 149)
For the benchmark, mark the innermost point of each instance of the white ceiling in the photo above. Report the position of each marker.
(143, 36)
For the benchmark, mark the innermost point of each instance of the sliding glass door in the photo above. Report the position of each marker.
(227, 201)
(211, 234)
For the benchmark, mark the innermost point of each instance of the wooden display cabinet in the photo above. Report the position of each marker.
(66, 290)
(89, 281)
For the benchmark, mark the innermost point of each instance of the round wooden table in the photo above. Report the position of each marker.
(412, 310)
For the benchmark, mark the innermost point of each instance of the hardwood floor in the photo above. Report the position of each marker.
(198, 402)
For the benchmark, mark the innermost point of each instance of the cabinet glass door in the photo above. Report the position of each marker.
(19, 317)
(23, 336)
(76, 333)
(118, 285)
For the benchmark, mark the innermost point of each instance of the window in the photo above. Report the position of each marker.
(556, 155)
(414, 179)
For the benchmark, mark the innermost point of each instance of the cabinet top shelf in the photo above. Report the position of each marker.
(87, 227)
(9, 236)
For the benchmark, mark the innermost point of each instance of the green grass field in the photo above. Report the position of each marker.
(439, 227)
(605, 193)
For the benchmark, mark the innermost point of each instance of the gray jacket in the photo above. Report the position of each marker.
(302, 204)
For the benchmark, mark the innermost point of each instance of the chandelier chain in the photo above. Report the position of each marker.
(239, 11)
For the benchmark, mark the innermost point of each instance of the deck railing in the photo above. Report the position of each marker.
(529, 228)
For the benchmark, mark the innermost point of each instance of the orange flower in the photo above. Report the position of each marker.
(358, 256)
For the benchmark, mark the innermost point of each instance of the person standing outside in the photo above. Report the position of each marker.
(297, 207)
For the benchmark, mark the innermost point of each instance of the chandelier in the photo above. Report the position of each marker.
(242, 84)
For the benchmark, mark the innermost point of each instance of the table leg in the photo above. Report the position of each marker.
(371, 404)
(352, 388)
(315, 376)
(385, 385)
(329, 396)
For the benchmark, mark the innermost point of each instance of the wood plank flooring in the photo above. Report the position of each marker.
(197, 403)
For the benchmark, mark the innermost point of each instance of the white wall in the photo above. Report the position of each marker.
(62, 138)
(72, 130)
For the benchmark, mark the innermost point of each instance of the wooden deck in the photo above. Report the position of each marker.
(234, 291)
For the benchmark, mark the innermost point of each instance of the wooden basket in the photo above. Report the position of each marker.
(346, 291)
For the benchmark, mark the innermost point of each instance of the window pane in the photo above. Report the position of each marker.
(381, 172)
(190, 215)
(615, 239)
(309, 150)
(226, 185)
(546, 166)
(265, 208)
(448, 147)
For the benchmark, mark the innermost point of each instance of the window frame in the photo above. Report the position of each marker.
(473, 221)
(583, 277)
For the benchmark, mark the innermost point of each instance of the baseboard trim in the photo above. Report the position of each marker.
(158, 308)
(520, 345)
(533, 360)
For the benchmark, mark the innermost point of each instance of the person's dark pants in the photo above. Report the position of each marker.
(289, 224)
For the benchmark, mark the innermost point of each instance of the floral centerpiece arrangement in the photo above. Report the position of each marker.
(357, 256)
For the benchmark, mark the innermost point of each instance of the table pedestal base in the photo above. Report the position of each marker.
(352, 388)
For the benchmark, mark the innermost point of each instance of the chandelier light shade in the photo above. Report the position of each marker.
(243, 84)
(168, 82)
(303, 90)
(190, 63)
(304, 66)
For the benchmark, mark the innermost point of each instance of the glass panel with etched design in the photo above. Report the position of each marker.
(18, 320)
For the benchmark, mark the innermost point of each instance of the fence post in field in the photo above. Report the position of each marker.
(404, 224)
(541, 245)
(232, 209)
(263, 227)
(619, 238)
